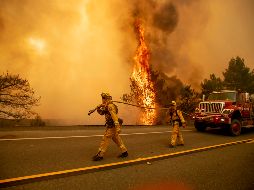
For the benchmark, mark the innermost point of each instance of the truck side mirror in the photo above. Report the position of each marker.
(247, 97)
(251, 97)
(203, 97)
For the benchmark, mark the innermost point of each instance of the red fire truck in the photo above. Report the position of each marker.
(226, 109)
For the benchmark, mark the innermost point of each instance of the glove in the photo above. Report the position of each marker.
(101, 110)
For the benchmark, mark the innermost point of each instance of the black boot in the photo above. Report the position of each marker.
(97, 157)
(123, 155)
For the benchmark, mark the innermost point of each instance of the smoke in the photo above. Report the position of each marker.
(166, 18)
(171, 28)
(160, 19)
(169, 32)
(194, 38)
(72, 51)
(67, 52)
(164, 22)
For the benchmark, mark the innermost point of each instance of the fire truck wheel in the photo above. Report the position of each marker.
(235, 127)
(200, 126)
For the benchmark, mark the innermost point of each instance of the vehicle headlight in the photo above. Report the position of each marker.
(227, 111)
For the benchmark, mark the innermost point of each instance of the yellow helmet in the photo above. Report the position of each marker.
(106, 96)
(173, 103)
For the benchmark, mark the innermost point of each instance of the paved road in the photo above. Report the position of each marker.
(28, 152)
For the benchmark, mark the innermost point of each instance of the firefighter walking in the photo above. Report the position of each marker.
(113, 127)
(177, 120)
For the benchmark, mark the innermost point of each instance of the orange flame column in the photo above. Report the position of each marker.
(141, 76)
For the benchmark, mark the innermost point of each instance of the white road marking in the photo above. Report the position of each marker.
(89, 169)
(85, 136)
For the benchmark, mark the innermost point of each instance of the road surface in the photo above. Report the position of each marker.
(31, 151)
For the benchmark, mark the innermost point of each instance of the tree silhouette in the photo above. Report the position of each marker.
(238, 77)
(189, 99)
(212, 84)
(16, 97)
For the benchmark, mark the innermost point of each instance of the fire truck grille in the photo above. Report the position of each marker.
(210, 107)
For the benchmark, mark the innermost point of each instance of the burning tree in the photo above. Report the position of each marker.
(141, 84)
(154, 89)
(16, 97)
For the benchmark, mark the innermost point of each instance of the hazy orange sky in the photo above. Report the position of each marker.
(71, 51)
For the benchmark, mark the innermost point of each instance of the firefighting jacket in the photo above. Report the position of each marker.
(110, 111)
(177, 116)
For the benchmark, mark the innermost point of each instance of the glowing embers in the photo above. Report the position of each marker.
(141, 77)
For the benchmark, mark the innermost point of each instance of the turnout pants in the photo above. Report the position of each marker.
(176, 135)
(111, 133)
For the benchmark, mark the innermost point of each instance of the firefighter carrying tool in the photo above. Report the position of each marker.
(113, 127)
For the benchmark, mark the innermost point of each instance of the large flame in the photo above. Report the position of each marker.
(141, 77)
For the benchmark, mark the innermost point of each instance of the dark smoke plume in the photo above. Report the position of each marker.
(160, 19)
(166, 18)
